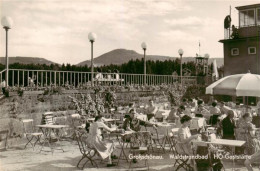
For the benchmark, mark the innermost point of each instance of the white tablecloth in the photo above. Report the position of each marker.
(197, 123)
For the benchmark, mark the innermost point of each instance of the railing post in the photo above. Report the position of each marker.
(50, 77)
(28, 74)
(67, 75)
(37, 78)
(81, 77)
(70, 78)
(74, 80)
(55, 78)
(59, 77)
(46, 80)
(41, 78)
(18, 79)
(23, 78)
(13, 78)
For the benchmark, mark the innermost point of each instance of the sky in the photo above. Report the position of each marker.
(58, 29)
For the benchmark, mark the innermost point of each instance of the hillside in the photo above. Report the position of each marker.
(120, 56)
(26, 60)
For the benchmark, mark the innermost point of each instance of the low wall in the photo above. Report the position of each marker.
(33, 104)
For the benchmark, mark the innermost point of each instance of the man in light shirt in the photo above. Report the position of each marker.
(214, 110)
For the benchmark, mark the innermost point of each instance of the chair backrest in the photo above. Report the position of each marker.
(80, 136)
(179, 149)
(47, 118)
(28, 126)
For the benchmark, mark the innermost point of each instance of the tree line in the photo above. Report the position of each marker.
(167, 67)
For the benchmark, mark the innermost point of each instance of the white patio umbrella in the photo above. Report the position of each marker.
(236, 85)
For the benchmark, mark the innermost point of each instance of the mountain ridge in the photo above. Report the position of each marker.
(120, 56)
(26, 60)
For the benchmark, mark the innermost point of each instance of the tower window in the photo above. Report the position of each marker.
(251, 50)
(247, 18)
(234, 51)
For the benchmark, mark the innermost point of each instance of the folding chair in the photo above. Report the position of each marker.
(137, 146)
(29, 132)
(47, 118)
(158, 140)
(6, 133)
(181, 162)
(87, 153)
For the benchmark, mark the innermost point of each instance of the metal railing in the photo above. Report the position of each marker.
(43, 78)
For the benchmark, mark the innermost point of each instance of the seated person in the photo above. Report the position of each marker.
(223, 108)
(228, 126)
(184, 102)
(151, 118)
(256, 119)
(247, 133)
(173, 117)
(131, 106)
(151, 109)
(131, 123)
(94, 140)
(184, 135)
(214, 110)
(180, 111)
(190, 103)
(200, 106)
(253, 159)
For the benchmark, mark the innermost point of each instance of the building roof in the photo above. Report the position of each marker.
(248, 6)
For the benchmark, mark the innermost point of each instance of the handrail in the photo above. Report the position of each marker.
(2, 71)
(93, 72)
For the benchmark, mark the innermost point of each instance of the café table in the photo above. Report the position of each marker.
(224, 142)
(48, 131)
(165, 129)
(104, 119)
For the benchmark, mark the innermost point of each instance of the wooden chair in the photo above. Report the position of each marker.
(30, 133)
(87, 153)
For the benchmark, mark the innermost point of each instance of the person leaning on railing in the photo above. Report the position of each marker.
(99, 74)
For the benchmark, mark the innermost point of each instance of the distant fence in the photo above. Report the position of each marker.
(43, 78)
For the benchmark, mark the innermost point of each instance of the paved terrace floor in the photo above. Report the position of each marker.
(18, 158)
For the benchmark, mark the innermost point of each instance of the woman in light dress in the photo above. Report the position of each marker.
(184, 137)
(105, 148)
(248, 134)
